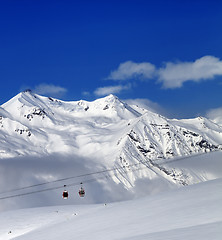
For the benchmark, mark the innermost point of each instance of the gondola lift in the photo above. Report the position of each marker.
(81, 191)
(65, 193)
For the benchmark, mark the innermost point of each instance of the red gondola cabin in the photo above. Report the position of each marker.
(81, 192)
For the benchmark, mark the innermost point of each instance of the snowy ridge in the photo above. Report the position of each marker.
(107, 132)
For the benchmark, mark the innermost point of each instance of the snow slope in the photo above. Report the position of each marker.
(99, 187)
(192, 212)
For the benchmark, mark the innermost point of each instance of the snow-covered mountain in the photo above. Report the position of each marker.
(107, 132)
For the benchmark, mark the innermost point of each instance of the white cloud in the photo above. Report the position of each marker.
(129, 69)
(215, 115)
(173, 75)
(50, 89)
(102, 91)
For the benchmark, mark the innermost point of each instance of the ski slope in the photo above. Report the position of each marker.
(192, 212)
(99, 187)
(189, 212)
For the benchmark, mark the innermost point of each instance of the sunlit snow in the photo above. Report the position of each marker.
(145, 176)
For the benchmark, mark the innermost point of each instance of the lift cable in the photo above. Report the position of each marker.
(67, 185)
(43, 190)
(150, 162)
(73, 177)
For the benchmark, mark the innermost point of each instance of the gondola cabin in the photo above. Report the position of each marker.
(65, 194)
(81, 192)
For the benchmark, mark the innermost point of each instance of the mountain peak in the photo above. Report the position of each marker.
(27, 90)
(110, 98)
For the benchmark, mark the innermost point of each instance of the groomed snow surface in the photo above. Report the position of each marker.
(191, 212)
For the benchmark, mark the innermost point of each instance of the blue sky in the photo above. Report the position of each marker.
(166, 53)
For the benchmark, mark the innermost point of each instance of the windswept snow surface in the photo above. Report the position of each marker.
(192, 212)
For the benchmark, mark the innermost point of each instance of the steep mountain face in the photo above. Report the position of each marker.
(107, 132)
